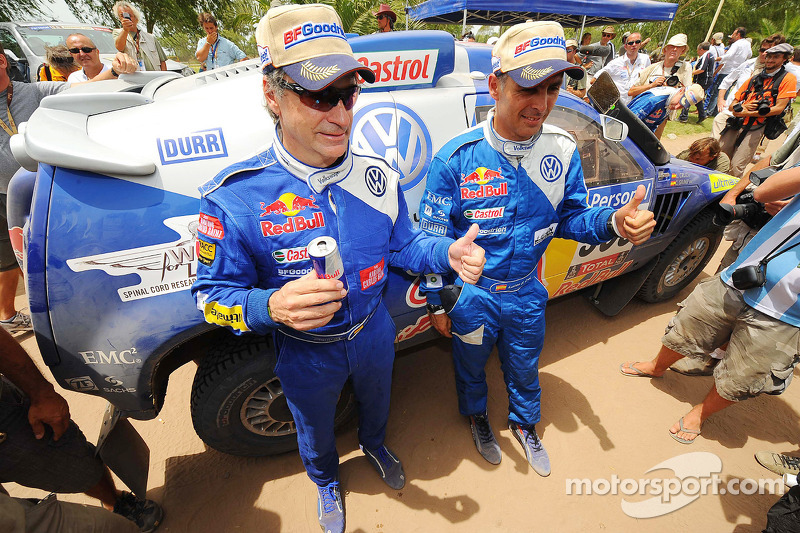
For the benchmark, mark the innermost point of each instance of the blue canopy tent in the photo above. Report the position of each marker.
(570, 13)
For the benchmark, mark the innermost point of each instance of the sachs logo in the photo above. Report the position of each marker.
(288, 204)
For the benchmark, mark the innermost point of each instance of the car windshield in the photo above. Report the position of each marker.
(37, 37)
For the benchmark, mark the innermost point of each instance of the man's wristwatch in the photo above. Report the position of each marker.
(435, 309)
(114, 73)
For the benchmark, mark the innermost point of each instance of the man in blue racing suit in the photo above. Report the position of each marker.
(521, 181)
(258, 216)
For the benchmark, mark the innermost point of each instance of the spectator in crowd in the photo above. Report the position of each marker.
(468, 37)
(545, 198)
(655, 106)
(586, 39)
(43, 449)
(85, 54)
(702, 75)
(669, 72)
(625, 70)
(706, 152)
(603, 51)
(342, 193)
(136, 42)
(491, 41)
(762, 96)
(730, 85)
(738, 52)
(22, 100)
(793, 65)
(717, 50)
(576, 86)
(58, 65)
(760, 321)
(214, 50)
(386, 18)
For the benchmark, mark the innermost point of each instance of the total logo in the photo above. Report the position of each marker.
(289, 205)
(397, 135)
(481, 175)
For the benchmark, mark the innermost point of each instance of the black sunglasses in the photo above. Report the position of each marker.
(327, 98)
(84, 49)
(608, 34)
(382, 16)
(634, 42)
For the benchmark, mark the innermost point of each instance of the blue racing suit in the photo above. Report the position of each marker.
(652, 107)
(256, 218)
(521, 194)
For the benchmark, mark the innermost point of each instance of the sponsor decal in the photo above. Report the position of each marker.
(493, 231)
(372, 275)
(206, 252)
(618, 195)
(117, 386)
(290, 255)
(294, 272)
(413, 297)
(722, 182)
(437, 229)
(81, 383)
(530, 73)
(406, 67)
(551, 168)
(196, 146)
(480, 176)
(537, 43)
(376, 180)
(313, 72)
(309, 30)
(544, 233)
(598, 264)
(211, 226)
(113, 357)
(663, 174)
(294, 224)
(436, 214)
(396, 134)
(422, 324)
(484, 191)
(162, 268)
(232, 317)
(484, 214)
(288, 204)
(263, 54)
(591, 279)
(438, 200)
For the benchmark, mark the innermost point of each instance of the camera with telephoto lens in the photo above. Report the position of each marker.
(747, 209)
(764, 106)
(673, 80)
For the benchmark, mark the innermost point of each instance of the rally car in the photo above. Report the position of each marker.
(109, 244)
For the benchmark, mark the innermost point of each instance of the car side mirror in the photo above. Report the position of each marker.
(613, 129)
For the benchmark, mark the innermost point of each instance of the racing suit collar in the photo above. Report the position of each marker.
(504, 146)
(317, 178)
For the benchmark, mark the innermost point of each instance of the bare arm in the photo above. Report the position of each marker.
(779, 186)
(121, 40)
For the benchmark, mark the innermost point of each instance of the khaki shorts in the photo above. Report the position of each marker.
(762, 351)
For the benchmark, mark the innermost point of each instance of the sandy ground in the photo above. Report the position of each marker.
(597, 425)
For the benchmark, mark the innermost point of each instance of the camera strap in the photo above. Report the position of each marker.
(772, 255)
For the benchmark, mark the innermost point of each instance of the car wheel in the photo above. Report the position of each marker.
(683, 259)
(238, 406)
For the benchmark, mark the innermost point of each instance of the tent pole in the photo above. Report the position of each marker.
(406, 15)
(464, 24)
(668, 29)
(580, 35)
(714, 21)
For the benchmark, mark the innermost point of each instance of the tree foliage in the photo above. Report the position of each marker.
(169, 15)
(20, 9)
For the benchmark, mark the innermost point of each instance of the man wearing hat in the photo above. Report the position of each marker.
(669, 72)
(738, 52)
(306, 185)
(386, 18)
(655, 106)
(600, 53)
(775, 86)
(522, 179)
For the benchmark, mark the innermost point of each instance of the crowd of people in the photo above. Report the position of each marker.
(482, 289)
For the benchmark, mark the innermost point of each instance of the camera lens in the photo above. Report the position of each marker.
(737, 108)
(672, 81)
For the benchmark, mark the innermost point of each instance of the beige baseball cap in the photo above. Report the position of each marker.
(679, 40)
(571, 43)
(532, 52)
(692, 95)
(309, 44)
(717, 37)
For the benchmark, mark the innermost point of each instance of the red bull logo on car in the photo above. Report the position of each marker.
(481, 175)
(288, 204)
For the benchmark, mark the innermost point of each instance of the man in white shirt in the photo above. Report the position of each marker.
(625, 70)
(738, 52)
(85, 54)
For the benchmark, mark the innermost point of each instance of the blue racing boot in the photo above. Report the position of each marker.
(534, 451)
(387, 465)
(330, 508)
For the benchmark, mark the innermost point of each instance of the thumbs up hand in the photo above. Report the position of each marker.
(632, 223)
(466, 257)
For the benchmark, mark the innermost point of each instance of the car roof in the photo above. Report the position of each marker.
(51, 23)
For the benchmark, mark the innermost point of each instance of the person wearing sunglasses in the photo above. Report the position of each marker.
(87, 56)
(601, 52)
(309, 184)
(624, 70)
(386, 18)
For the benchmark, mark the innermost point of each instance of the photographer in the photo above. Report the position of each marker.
(761, 97)
(669, 72)
(752, 305)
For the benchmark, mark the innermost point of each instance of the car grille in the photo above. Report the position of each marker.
(666, 207)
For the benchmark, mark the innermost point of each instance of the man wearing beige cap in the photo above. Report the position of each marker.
(574, 85)
(309, 187)
(522, 179)
(669, 72)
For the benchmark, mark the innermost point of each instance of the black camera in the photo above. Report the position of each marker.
(673, 80)
(749, 277)
(747, 209)
(763, 106)
(737, 108)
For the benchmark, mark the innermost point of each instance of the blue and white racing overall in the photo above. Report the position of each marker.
(257, 217)
(522, 194)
